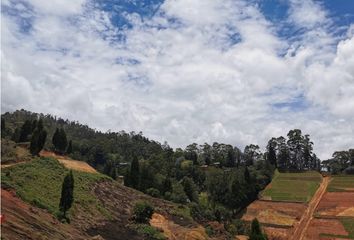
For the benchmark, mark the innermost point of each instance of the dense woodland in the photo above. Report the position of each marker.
(217, 180)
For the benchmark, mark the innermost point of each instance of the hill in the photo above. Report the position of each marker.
(102, 207)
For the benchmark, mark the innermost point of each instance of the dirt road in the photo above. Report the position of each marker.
(301, 228)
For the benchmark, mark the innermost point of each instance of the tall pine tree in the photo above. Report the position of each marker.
(67, 193)
(135, 173)
(26, 129)
(70, 148)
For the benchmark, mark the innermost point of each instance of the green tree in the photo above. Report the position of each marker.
(55, 138)
(59, 140)
(134, 173)
(190, 189)
(271, 154)
(142, 212)
(69, 150)
(166, 186)
(256, 231)
(67, 193)
(63, 142)
(2, 124)
(26, 129)
(178, 195)
(37, 141)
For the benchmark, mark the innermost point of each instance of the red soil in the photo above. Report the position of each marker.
(301, 228)
(324, 226)
(23, 221)
(336, 204)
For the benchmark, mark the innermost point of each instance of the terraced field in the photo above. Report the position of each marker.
(334, 216)
(341, 183)
(292, 187)
(285, 202)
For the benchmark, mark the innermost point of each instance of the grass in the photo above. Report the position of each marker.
(148, 231)
(340, 183)
(293, 187)
(348, 224)
(39, 182)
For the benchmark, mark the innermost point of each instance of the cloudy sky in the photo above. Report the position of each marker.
(185, 71)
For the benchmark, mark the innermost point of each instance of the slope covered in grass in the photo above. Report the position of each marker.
(39, 182)
(341, 183)
(299, 187)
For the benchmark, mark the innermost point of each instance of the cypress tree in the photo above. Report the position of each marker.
(135, 173)
(67, 193)
(34, 142)
(2, 124)
(63, 142)
(256, 232)
(55, 139)
(272, 156)
(40, 125)
(26, 129)
(247, 175)
(38, 138)
(70, 148)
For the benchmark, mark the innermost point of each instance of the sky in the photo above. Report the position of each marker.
(184, 71)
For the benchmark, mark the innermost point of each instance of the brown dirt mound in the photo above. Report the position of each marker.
(69, 163)
(277, 213)
(175, 232)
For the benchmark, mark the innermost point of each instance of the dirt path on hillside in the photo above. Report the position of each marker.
(13, 164)
(301, 228)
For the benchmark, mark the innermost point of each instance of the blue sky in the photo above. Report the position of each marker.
(185, 71)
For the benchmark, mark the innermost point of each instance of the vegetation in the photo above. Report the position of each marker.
(59, 140)
(348, 223)
(38, 138)
(341, 183)
(67, 193)
(142, 212)
(216, 180)
(293, 186)
(341, 162)
(149, 232)
(39, 182)
(10, 153)
(256, 231)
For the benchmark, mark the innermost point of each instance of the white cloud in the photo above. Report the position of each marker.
(192, 82)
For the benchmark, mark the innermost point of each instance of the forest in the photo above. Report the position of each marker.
(216, 180)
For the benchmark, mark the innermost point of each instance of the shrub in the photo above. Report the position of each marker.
(149, 232)
(142, 212)
(153, 192)
(178, 195)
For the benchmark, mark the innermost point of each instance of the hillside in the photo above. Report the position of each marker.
(102, 207)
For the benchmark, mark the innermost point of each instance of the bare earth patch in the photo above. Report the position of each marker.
(322, 226)
(277, 213)
(69, 163)
(174, 232)
(337, 204)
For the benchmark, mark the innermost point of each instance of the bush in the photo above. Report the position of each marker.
(142, 212)
(149, 232)
(178, 195)
(153, 192)
(236, 227)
